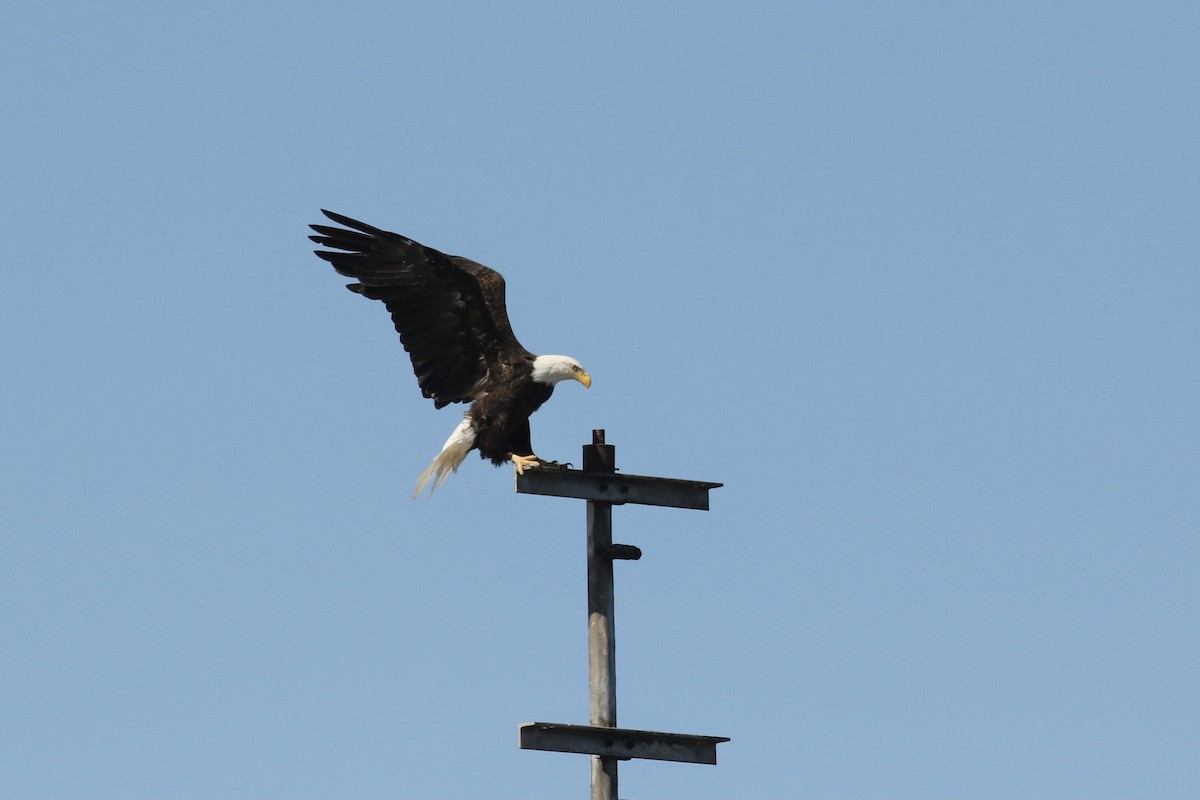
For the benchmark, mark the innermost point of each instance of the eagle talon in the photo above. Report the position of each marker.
(524, 462)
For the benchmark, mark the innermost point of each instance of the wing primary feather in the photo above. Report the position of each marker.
(448, 310)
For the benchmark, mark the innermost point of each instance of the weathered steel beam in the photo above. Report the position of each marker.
(616, 488)
(620, 743)
(600, 458)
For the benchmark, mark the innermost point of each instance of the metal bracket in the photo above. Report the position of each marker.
(622, 552)
(616, 488)
(622, 743)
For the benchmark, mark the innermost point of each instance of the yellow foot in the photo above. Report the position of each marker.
(524, 462)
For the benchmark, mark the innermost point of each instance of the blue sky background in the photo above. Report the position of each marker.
(918, 282)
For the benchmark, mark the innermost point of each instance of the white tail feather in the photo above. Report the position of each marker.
(453, 452)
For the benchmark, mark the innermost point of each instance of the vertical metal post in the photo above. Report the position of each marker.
(602, 660)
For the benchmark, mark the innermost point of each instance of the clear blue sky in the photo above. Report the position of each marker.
(918, 282)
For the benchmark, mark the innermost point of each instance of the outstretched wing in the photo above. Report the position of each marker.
(448, 310)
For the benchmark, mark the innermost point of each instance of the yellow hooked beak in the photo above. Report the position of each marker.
(584, 378)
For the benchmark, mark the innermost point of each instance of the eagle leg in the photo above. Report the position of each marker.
(524, 462)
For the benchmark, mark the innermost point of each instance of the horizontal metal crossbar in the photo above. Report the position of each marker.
(620, 742)
(616, 488)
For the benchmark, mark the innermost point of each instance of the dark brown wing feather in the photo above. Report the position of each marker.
(449, 310)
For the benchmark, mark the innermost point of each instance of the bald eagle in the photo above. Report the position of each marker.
(450, 314)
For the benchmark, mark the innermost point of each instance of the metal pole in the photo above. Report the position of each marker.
(602, 661)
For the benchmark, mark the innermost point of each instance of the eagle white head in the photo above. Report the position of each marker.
(552, 369)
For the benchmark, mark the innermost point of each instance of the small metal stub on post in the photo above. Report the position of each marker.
(598, 456)
(622, 552)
